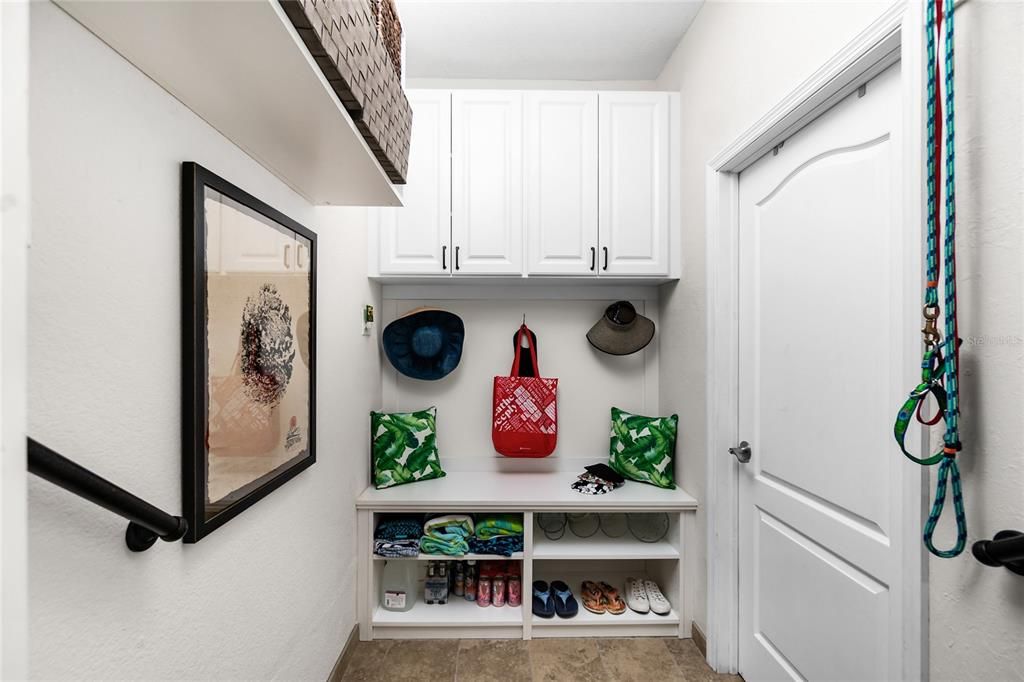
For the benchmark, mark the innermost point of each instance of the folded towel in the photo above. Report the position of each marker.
(460, 524)
(399, 529)
(396, 549)
(494, 525)
(504, 545)
(452, 544)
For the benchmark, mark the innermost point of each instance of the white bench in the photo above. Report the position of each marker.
(569, 558)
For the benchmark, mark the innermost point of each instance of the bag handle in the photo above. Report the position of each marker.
(524, 331)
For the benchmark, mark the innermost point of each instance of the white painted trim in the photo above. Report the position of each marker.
(880, 45)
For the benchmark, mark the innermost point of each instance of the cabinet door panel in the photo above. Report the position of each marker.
(487, 176)
(561, 182)
(634, 183)
(414, 238)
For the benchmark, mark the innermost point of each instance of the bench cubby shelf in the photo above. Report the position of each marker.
(569, 558)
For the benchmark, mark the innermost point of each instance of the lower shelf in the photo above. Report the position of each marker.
(455, 613)
(587, 619)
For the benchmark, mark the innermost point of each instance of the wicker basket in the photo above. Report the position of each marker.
(390, 29)
(343, 38)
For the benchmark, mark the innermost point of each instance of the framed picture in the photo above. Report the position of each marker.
(249, 350)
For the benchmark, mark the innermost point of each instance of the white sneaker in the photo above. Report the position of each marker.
(636, 595)
(656, 600)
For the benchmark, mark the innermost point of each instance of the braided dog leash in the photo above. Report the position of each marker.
(940, 365)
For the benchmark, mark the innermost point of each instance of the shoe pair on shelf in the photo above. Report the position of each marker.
(601, 597)
(645, 596)
(554, 599)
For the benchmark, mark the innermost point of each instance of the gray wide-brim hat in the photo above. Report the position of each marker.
(621, 331)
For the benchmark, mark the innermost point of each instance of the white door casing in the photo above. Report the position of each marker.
(820, 234)
(634, 195)
(416, 239)
(561, 182)
(487, 182)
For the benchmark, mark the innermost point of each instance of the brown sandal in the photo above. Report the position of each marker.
(612, 601)
(593, 598)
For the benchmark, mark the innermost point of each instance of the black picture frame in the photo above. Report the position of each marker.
(196, 181)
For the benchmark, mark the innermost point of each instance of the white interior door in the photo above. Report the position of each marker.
(487, 182)
(415, 239)
(819, 367)
(561, 183)
(634, 169)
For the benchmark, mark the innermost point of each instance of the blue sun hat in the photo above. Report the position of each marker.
(425, 343)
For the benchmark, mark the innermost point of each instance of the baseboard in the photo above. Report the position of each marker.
(346, 655)
(700, 640)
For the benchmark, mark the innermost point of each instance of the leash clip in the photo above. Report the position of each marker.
(930, 331)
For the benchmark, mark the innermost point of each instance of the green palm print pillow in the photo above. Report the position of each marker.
(404, 447)
(642, 448)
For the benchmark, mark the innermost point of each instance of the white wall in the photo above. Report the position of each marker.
(761, 51)
(977, 612)
(590, 382)
(14, 228)
(272, 593)
(736, 61)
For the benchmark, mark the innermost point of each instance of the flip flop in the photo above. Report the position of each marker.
(613, 602)
(593, 601)
(566, 605)
(543, 604)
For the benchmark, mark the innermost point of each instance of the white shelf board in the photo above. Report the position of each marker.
(457, 612)
(492, 491)
(242, 67)
(600, 546)
(516, 556)
(586, 618)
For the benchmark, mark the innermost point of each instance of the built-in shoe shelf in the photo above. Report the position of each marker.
(570, 558)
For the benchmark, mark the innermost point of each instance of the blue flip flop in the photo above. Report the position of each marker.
(543, 604)
(566, 605)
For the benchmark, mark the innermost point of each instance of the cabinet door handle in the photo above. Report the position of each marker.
(287, 262)
(605, 249)
(444, 257)
(456, 258)
(299, 260)
(593, 258)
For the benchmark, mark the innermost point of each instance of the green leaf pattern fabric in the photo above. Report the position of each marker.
(642, 448)
(404, 447)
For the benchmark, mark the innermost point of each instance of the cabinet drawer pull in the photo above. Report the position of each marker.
(456, 258)
(605, 249)
(593, 258)
(299, 260)
(444, 257)
(287, 262)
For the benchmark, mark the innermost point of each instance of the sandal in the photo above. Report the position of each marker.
(566, 605)
(612, 601)
(543, 604)
(593, 600)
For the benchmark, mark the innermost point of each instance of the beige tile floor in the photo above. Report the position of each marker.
(561, 660)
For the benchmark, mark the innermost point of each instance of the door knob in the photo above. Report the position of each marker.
(741, 452)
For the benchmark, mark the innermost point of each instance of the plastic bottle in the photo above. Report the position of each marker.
(483, 587)
(498, 590)
(398, 585)
(469, 589)
(459, 583)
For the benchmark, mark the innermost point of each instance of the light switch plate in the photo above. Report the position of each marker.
(367, 319)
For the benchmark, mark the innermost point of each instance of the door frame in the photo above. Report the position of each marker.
(895, 37)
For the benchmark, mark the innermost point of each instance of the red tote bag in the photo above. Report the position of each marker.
(525, 409)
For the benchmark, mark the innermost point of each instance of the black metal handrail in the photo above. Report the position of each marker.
(1005, 549)
(146, 523)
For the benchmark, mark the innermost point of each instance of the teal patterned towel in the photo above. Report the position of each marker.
(496, 525)
(452, 544)
(449, 523)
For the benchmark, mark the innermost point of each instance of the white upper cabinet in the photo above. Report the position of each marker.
(561, 182)
(635, 203)
(487, 182)
(416, 239)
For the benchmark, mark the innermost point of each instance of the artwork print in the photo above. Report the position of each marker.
(249, 320)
